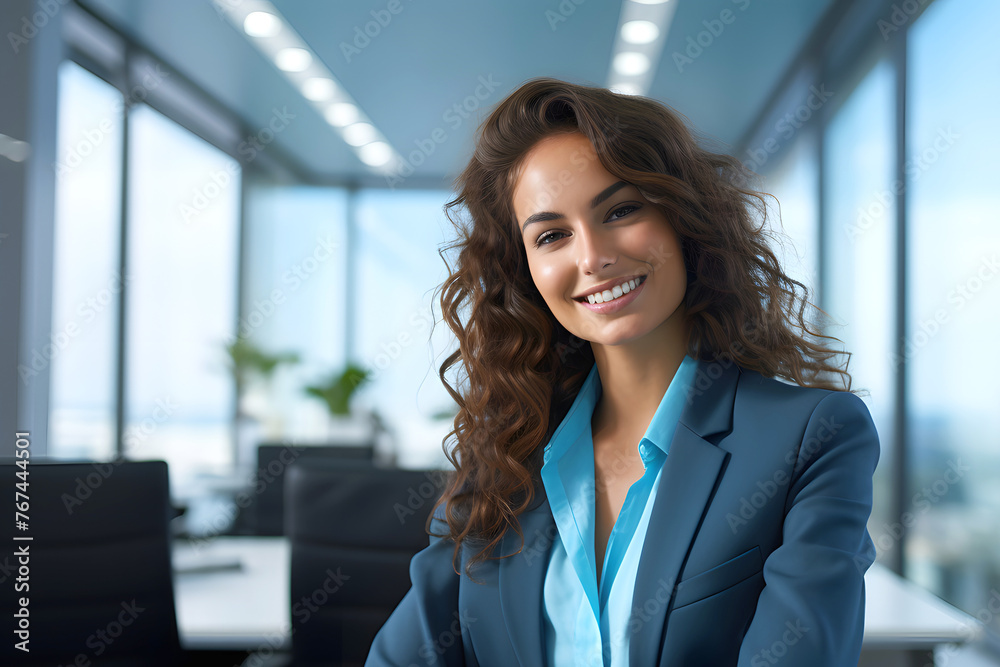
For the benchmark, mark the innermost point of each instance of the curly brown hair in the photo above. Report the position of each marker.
(522, 367)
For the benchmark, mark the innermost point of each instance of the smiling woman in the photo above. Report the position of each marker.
(639, 370)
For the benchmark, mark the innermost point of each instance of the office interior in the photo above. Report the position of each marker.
(223, 239)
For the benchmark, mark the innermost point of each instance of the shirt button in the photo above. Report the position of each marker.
(644, 451)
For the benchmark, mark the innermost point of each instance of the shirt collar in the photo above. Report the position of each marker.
(661, 427)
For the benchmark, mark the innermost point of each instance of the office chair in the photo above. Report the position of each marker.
(266, 512)
(353, 530)
(98, 566)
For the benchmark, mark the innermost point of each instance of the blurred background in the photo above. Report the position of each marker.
(222, 227)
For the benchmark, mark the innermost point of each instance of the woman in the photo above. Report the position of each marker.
(653, 463)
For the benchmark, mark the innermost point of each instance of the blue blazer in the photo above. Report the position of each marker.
(756, 550)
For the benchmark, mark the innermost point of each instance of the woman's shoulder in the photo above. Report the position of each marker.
(774, 400)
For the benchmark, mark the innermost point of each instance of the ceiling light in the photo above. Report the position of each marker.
(341, 114)
(318, 88)
(261, 24)
(649, 2)
(640, 32)
(375, 154)
(359, 134)
(626, 88)
(292, 60)
(631, 63)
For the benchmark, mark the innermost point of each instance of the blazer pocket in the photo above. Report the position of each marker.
(719, 578)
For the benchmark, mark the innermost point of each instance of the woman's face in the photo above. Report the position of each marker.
(585, 229)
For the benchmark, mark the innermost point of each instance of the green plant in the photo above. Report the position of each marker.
(246, 359)
(337, 391)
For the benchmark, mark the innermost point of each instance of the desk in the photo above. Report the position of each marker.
(245, 609)
(907, 621)
(249, 609)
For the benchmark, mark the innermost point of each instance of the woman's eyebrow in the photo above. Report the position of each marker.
(595, 202)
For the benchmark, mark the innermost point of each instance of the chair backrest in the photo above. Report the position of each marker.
(353, 531)
(97, 571)
(267, 508)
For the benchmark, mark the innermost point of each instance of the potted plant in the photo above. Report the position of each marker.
(336, 393)
(249, 366)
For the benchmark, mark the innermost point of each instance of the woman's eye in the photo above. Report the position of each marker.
(542, 240)
(620, 212)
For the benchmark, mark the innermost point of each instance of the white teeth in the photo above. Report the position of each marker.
(614, 292)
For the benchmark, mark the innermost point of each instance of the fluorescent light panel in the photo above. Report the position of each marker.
(266, 29)
(642, 31)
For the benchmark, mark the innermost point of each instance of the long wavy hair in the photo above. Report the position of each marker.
(521, 367)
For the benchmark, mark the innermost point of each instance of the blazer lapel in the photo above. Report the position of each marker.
(687, 483)
(521, 580)
(690, 473)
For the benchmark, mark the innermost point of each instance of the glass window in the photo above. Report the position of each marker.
(183, 240)
(398, 271)
(952, 420)
(859, 239)
(794, 183)
(86, 281)
(295, 285)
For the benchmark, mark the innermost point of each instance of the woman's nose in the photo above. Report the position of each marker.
(596, 249)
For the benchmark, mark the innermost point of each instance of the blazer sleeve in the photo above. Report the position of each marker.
(425, 628)
(811, 610)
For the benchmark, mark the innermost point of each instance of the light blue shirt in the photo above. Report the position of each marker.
(586, 623)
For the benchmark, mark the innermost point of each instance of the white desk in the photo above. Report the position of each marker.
(245, 609)
(248, 609)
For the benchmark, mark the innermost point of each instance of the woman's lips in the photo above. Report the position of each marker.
(615, 305)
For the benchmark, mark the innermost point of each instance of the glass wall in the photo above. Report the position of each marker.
(953, 301)
(294, 302)
(398, 272)
(859, 242)
(183, 242)
(794, 182)
(86, 281)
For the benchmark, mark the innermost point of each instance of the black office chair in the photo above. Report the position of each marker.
(353, 530)
(266, 511)
(98, 566)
